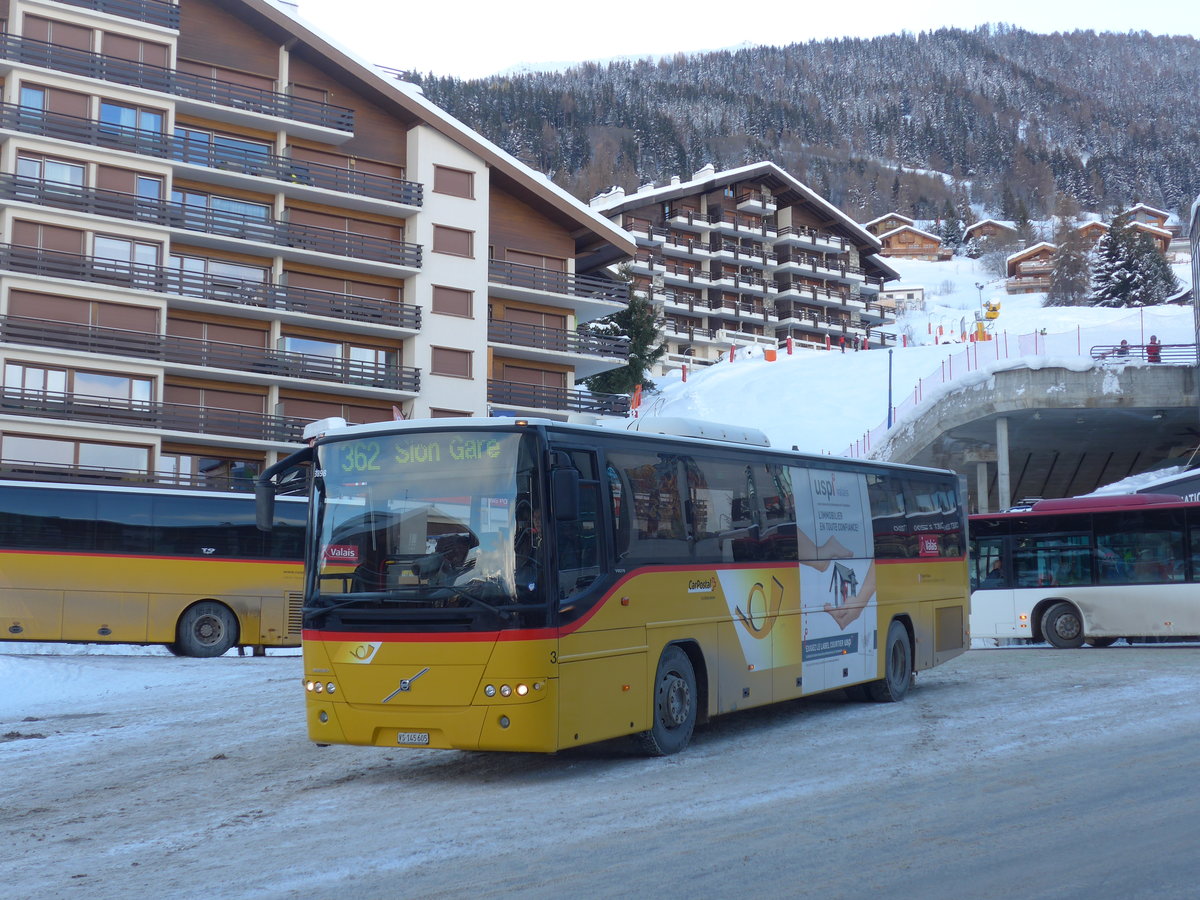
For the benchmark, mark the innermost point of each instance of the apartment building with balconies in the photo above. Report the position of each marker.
(216, 225)
(749, 257)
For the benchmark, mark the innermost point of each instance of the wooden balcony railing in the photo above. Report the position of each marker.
(170, 81)
(264, 165)
(137, 276)
(550, 281)
(210, 354)
(532, 396)
(152, 12)
(95, 201)
(146, 414)
(581, 342)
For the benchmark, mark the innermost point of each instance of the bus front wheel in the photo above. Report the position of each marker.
(1062, 626)
(674, 712)
(205, 629)
(897, 667)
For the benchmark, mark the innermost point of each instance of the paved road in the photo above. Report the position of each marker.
(1005, 773)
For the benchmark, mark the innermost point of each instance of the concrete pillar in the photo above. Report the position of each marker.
(981, 487)
(1003, 481)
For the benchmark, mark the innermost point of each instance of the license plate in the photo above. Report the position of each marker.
(413, 737)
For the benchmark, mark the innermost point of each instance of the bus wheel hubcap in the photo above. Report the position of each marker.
(208, 630)
(677, 702)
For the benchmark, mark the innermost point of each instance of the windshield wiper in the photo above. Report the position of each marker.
(393, 595)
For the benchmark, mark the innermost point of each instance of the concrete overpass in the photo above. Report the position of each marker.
(1053, 432)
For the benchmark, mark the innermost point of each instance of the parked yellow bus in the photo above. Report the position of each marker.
(139, 565)
(533, 585)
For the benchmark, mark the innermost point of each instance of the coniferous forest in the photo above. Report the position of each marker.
(1021, 124)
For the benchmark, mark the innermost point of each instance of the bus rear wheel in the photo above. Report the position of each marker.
(1062, 626)
(897, 667)
(674, 711)
(1101, 642)
(205, 629)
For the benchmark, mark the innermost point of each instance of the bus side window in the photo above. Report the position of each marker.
(987, 564)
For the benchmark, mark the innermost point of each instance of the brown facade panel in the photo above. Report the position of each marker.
(210, 34)
(514, 225)
(379, 133)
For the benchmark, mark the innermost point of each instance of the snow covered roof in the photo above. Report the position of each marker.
(1030, 251)
(891, 215)
(1142, 207)
(999, 223)
(707, 178)
(1152, 229)
(411, 99)
(888, 234)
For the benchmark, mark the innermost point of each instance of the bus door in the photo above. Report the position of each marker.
(993, 602)
(839, 616)
(608, 650)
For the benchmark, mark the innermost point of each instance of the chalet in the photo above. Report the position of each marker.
(1029, 269)
(991, 230)
(909, 242)
(1092, 231)
(749, 258)
(887, 222)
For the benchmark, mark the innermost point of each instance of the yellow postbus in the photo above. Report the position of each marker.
(140, 565)
(526, 584)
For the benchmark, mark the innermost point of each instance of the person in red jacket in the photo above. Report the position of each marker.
(1154, 350)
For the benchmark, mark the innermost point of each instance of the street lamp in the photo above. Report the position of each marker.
(979, 287)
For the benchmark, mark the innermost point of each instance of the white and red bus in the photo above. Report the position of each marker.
(1088, 570)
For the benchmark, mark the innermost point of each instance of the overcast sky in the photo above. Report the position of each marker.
(471, 38)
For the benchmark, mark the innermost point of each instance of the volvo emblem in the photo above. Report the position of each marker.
(405, 685)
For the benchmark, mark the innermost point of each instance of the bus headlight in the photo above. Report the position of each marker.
(310, 686)
(489, 691)
(505, 690)
(330, 688)
(522, 690)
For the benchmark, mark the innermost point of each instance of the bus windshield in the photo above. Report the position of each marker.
(434, 531)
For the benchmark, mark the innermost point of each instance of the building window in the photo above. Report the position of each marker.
(46, 169)
(50, 452)
(209, 148)
(223, 209)
(123, 250)
(454, 363)
(452, 301)
(453, 241)
(449, 414)
(118, 117)
(455, 182)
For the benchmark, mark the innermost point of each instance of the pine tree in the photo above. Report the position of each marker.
(1129, 270)
(640, 324)
(1070, 276)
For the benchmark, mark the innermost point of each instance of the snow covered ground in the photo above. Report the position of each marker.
(825, 402)
(1025, 772)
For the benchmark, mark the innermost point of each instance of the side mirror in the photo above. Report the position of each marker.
(264, 505)
(564, 485)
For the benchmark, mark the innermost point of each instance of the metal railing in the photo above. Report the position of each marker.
(171, 81)
(210, 354)
(1177, 354)
(582, 342)
(153, 12)
(188, 217)
(138, 276)
(81, 130)
(149, 414)
(532, 396)
(550, 281)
